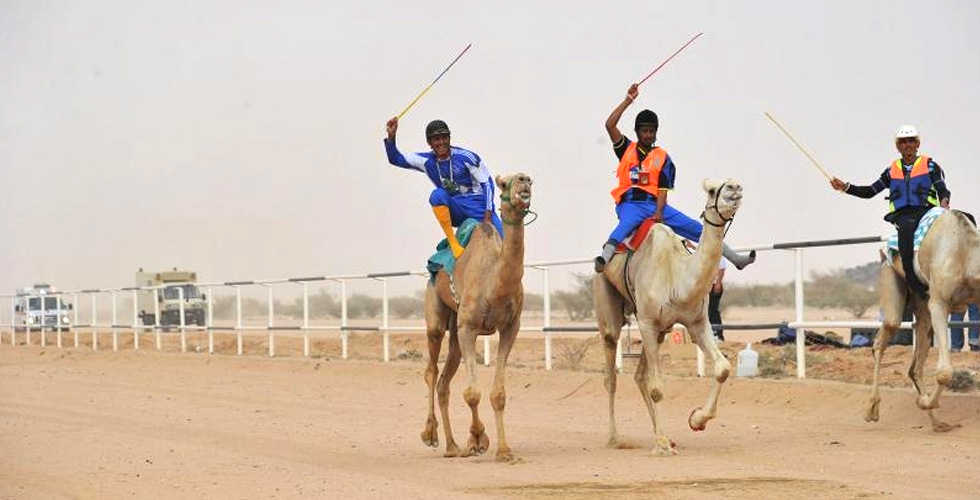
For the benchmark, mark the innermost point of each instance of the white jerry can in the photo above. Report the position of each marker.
(748, 362)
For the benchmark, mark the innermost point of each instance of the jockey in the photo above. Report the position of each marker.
(464, 186)
(646, 173)
(916, 184)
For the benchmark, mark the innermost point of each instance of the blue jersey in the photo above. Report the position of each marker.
(463, 174)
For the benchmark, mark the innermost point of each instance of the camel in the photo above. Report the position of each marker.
(667, 285)
(948, 261)
(485, 294)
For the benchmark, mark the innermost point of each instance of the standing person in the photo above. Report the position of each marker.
(645, 174)
(916, 184)
(463, 184)
(956, 332)
(714, 301)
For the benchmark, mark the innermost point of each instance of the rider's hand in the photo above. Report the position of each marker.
(657, 217)
(633, 92)
(838, 184)
(392, 127)
(486, 216)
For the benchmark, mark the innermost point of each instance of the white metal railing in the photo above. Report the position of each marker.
(344, 328)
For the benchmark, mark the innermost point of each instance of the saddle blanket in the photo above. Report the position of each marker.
(920, 232)
(633, 242)
(443, 258)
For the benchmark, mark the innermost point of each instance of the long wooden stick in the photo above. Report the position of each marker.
(798, 145)
(669, 58)
(433, 83)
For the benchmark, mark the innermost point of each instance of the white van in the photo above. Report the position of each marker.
(39, 307)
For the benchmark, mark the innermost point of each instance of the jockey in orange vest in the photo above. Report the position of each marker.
(645, 174)
(916, 184)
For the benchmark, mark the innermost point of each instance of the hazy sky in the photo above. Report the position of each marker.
(244, 139)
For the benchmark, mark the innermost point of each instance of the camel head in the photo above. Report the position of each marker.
(724, 198)
(515, 191)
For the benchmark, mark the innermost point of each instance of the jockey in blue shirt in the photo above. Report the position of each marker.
(463, 184)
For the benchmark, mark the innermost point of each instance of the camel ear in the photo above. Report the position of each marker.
(710, 186)
(501, 182)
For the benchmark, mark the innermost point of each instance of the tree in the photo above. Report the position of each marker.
(578, 302)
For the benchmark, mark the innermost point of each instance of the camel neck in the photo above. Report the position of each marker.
(511, 270)
(705, 260)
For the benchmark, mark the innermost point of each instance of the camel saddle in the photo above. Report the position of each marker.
(443, 258)
(633, 242)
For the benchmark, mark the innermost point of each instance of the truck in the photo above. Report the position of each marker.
(39, 306)
(169, 286)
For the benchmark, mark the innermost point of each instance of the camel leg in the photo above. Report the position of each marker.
(448, 371)
(704, 338)
(923, 333)
(652, 391)
(436, 317)
(944, 369)
(478, 441)
(893, 297)
(498, 391)
(609, 313)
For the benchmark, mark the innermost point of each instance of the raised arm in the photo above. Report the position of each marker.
(614, 134)
(395, 157)
(869, 191)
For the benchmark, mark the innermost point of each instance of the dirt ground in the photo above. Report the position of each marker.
(78, 423)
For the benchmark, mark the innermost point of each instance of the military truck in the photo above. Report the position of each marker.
(169, 285)
(37, 307)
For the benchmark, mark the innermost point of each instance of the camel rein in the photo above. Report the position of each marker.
(725, 223)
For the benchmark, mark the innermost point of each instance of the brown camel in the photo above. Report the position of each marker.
(948, 261)
(667, 285)
(485, 294)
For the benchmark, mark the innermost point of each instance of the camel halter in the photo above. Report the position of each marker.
(725, 223)
(505, 198)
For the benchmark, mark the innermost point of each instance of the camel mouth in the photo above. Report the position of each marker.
(525, 197)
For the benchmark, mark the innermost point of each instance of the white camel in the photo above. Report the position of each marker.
(667, 285)
(948, 261)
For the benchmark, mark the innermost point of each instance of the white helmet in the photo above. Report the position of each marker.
(906, 131)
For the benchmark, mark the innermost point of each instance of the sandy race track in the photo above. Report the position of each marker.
(146, 424)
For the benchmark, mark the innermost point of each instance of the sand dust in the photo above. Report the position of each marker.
(78, 423)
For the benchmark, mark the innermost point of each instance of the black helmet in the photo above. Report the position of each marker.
(646, 118)
(436, 127)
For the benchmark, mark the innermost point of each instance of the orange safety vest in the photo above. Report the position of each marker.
(918, 191)
(650, 168)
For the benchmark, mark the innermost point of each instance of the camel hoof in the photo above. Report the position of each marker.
(940, 426)
(697, 420)
(477, 445)
(452, 451)
(665, 447)
(872, 414)
(504, 456)
(429, 436)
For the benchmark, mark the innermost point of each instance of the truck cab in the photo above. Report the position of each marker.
(39, 307)
(170, 286)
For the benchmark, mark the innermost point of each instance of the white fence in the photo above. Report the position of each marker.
(138, 330)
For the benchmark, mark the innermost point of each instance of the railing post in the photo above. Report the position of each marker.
(210, 322)
(343, 318)
(385, 338)
(95, 321)
(306, 319)
(74, 317)
(182, 323)
(547, 319)
(238, 317)
(800, 335)
(156, 318)
(57, 321)
(270, 325)
(115, 331)
(136, 320)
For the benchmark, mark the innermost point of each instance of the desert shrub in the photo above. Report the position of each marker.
(405, 307)
(570, 355)
(962, 381)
